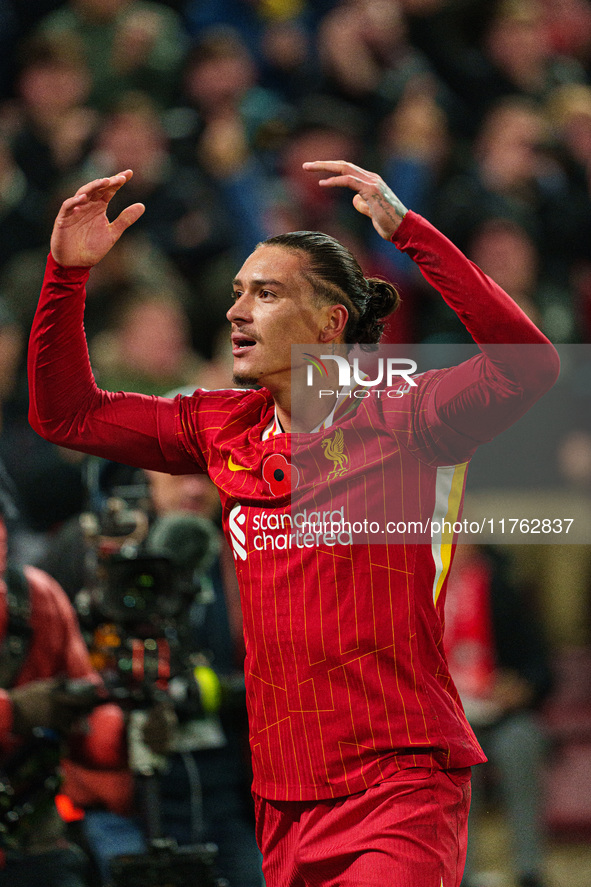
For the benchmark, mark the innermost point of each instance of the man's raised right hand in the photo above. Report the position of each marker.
(82, 233)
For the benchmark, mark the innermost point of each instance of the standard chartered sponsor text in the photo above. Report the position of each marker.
(281, 530)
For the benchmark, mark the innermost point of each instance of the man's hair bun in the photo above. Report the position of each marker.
(383, 299)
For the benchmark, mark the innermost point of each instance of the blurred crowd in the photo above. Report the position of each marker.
(477, 114)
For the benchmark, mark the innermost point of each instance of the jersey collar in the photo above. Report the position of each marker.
(345, 404)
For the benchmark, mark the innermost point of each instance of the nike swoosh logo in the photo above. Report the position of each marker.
(234, 467)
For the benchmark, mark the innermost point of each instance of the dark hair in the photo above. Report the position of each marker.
(336, 275)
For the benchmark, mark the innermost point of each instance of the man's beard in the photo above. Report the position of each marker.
(245, 381)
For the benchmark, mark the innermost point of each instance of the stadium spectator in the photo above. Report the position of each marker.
(53, 126)
(486, 52)
(294, 200)
(147, 345)
(569, 28)
(517, 44)
(366, 56)
(230, 127)
(506, 249)
(280, 34)
(186, 220)
(414, 153)
(515, 172)
(569, 109)
(128, 45)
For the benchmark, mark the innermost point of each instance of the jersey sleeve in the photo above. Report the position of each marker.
(469, 404)
(66, 405)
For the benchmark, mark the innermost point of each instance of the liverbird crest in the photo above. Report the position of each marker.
(334, 450)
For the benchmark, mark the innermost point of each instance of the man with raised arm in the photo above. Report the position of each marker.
(361, 751)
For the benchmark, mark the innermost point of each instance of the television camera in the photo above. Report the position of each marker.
(147, 592)
(141, 609)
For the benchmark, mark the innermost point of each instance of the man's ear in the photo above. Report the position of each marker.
(336, 321)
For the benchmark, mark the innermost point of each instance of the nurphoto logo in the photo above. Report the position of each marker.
(388, 370)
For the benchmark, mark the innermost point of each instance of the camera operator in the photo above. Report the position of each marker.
(204, 773)
(47, 686)
(224, 770)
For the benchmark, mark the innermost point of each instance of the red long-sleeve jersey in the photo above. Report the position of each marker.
(346, 676)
